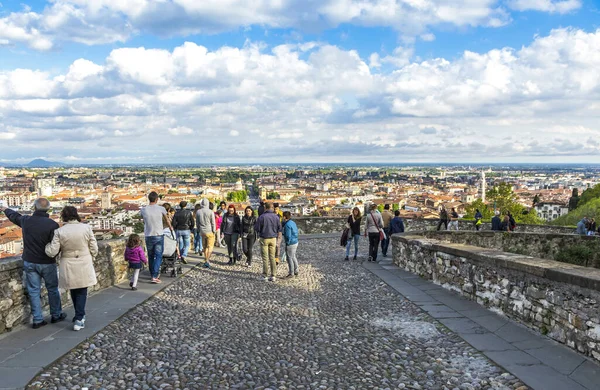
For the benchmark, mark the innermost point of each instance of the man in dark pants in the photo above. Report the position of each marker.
(443, 218)
(38, 231)
(387, 218)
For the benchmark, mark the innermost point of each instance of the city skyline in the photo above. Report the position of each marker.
(335, 81)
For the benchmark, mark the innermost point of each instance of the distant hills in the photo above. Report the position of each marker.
(40, 163)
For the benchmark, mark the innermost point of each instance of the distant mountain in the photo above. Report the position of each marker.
(39, 163)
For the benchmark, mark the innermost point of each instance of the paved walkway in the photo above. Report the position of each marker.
(24, 352)
(538, 361)
(337, 325)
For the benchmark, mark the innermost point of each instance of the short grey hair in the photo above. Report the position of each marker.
(41, 204)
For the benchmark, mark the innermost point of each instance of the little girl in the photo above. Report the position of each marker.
(134, 254)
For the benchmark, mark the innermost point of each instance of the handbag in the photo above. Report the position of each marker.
(381, 232)
(344, 239)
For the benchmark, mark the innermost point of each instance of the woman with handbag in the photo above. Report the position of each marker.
(353, 225)
(374, 231)
(77, 246)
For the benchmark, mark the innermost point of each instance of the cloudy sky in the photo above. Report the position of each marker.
(101, 81)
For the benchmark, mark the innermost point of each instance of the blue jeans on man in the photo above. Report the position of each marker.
(385, 243)
(183, 241)
(197, 241)
(155, 246)
(34, 273)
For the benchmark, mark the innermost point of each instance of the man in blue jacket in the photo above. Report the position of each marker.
(396, 225)
(496, 222)
(290, 235)
(38, 230)
(268, 227)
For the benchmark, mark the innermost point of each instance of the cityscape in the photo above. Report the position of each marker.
(109, 198)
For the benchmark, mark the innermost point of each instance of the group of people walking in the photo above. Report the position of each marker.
(221, 228)
(44, 241)
(379, 227)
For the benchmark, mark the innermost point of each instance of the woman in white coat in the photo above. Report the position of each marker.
(77, 246)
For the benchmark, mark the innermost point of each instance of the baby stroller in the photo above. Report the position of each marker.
(170, 259)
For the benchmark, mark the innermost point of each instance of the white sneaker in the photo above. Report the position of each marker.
(266, 278)
(78, 325)
(272, 279)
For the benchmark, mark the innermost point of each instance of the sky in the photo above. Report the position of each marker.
(284, 81)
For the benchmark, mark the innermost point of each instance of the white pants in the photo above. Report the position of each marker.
(134, 277)
(453, 225)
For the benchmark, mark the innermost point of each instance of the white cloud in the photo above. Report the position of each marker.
(325, 102)
(181, 130)
(108, 21)
(552, 6)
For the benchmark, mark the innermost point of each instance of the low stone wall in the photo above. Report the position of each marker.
(569, 248)
(557, 299)
(110, 267)
(321, 225)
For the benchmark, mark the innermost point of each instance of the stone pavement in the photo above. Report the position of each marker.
(337, 325)
(24, 352)
(538, 361)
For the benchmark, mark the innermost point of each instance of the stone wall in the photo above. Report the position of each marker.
(320, 225)
(110, 267)
(570, 248)
(557, 299)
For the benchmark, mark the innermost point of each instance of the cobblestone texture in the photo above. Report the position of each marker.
(335, 326)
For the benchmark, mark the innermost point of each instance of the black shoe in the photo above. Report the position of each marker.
(183, 260)
(230, 262)
(37, 325)
(346, 258)
(295, 273)
(130, 284)
(354, 258)
(61, 317)
(290, 276)
(370, 258)
(134, 288)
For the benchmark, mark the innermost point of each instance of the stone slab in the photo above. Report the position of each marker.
(5, 353)
(16, 377)
(474, 313)
(491, 322)
(542, 377)
(488, 342)
(463, 326)
(587, 375)
(513, 332)
(561, 358)
(41, 354)
(512, 357)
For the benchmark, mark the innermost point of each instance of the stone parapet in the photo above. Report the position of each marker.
(557, 299)
(110, 267)
(569, 248)
(320, 225)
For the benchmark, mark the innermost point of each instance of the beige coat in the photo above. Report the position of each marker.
(77, 246)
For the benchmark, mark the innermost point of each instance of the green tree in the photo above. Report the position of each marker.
(237, 196)
(483, 208)
(272, 195)
(505, 200)
(574, 199)
(138, 227)
(380, 207)
(502, 196)
(395, 207)
(589, 195)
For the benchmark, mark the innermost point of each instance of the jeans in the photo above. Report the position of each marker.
(354, 238)
(385, 243)
(247, 244)
(267, 249)
(231, 242)
(155, 246)
(34, 273)
(183, 241)
(453, 225)
(79, 298)
(373, 244)
(290, 250)
(198, 241)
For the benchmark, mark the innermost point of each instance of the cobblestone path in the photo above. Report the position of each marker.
(335, 326)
